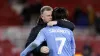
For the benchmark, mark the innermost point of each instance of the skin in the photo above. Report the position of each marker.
(46, 16)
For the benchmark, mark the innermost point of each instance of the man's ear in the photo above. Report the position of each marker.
(41, 16)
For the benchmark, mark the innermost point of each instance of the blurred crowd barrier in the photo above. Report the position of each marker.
(12, 40)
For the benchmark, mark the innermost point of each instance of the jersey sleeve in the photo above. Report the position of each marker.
(39, 39)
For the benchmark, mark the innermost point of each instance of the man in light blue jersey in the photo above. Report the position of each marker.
(59, 40)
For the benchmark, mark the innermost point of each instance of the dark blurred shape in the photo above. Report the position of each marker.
(29, 10)
(97, 23)
(87, 49)
(98, 54)
(21, 1)
(80, 17)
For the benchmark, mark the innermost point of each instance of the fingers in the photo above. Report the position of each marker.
(44, 49)
(51, 23)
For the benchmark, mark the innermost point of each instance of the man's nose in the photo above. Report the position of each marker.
(51, 17)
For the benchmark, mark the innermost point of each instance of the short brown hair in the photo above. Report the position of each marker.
(46, 8)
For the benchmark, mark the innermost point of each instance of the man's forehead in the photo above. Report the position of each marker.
(47, 12)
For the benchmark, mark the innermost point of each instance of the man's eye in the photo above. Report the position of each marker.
(48, 15)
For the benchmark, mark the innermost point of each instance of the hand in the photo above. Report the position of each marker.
(44, 49)
(51, 23)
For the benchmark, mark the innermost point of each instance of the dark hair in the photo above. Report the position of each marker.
(59, 13)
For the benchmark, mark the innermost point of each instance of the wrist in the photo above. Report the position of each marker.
(55, 22)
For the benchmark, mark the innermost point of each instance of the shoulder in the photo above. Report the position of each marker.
(37, 27)
(45, 29)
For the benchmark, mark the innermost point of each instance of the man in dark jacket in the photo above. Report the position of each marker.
(41, 24)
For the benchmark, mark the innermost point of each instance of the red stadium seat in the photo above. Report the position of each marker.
(79, 45)
(96, 47)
